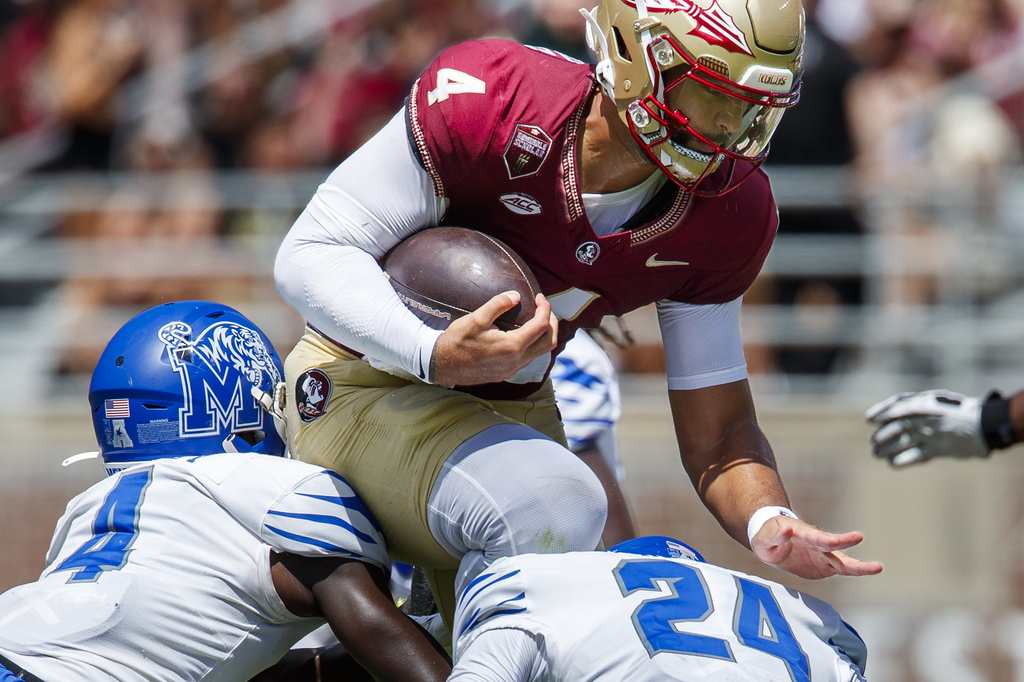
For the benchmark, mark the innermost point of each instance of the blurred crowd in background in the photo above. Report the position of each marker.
(915, 98)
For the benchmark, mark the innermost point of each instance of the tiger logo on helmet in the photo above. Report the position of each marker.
(701, 86)
(216, 367)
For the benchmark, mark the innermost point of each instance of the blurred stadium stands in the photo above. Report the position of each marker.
(967, 336)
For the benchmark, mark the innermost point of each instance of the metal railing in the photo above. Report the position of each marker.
(967, 336)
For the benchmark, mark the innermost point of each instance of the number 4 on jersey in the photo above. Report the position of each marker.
(113, 530)
(454, 82)
(760, 625)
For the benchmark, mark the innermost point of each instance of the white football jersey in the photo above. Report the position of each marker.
(588, 398)
(610, 616)
(162, 572)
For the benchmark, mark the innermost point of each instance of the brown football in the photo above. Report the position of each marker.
(442, 273)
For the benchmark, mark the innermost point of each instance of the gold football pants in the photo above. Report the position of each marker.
(389, 437)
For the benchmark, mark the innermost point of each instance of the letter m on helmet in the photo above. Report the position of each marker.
(217, 370)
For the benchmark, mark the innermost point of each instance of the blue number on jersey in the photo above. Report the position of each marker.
(654, 619)
(114, 529)
(758, 621)
(761, 625)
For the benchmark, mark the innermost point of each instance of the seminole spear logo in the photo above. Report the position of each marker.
(714, 25)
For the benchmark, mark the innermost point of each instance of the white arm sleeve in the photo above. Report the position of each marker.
(501, 655)
(702, 344)
(327, 267)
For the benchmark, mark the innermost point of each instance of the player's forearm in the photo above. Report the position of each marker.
(737, 478)
(725, 453)
(327, 266)
(1002, 420)
(1017, 416)
(342, 292)
(407, 657)
(358, 608)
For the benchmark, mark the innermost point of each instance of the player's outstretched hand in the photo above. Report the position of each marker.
(807, 551)
(915, 427)
(474, 351)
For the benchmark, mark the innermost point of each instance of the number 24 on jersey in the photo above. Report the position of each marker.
(758, 621)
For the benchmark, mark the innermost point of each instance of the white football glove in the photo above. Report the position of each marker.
(915, 427)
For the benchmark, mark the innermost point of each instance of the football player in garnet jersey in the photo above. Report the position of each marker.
(625, 183)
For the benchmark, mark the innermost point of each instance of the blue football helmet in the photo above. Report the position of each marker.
(177, 381)
(658, 545)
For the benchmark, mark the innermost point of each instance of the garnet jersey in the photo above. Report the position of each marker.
(162, 572)
(497, 125)
(611, 616)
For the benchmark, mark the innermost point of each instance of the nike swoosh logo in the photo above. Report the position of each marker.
(653, 262)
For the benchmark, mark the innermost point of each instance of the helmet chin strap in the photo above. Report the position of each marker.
(80, 457)
(597, 42)
(228, 445)
(273, 403)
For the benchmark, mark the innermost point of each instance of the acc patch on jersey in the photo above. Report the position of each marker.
(521, 203)
(526, 151)
(312, 393)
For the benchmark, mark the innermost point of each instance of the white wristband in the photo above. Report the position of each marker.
(761, 517)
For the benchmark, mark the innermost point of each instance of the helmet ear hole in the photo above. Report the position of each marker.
(253, 437)
(620, 45)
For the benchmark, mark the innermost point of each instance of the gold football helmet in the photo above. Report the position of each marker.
(701, 84)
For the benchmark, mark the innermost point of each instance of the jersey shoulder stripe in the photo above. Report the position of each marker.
(321, 515)
(487, 596)
(350, 501)
(503, 608)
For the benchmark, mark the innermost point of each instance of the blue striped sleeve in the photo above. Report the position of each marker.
(322, 515)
